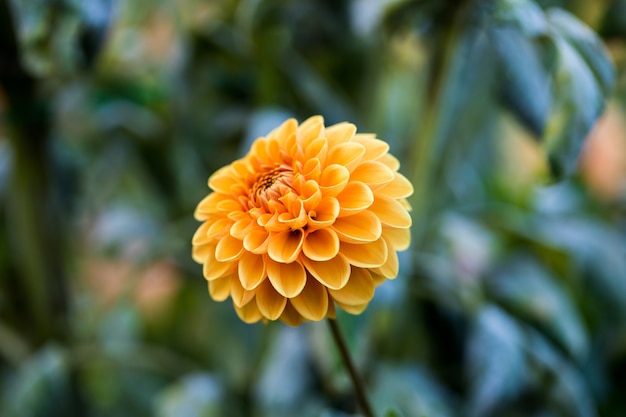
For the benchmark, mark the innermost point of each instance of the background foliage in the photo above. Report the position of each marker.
(511, 301)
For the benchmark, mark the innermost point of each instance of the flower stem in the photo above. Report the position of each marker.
(357, 382)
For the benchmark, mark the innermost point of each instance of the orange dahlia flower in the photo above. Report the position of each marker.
(310, 218)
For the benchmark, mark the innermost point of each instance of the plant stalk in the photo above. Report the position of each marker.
(357, 381)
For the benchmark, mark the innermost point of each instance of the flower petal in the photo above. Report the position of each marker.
(399, 239)
(366, 255)
(324, 214)
(311, 128)
(374, 148)
(241, 228)
(220, 288)
(391, 212)
(391, 266)
(201, 235)
(201, 253)
(333, 273)
(257, 240)
(287, 279)
(228, 249)
(321, 245)
(290, 315)
(358, 291)
(333, 179)
(390, 160)
(239, 294)
(223, 180)
(358, 228)
(347, 154)
(400, 187)
(213, 269)
(207, 206)
(249, 313)
(312, 303)
(354, 198)
(375, 174)
(285, 247)
(218, 228)
(252, 270)
(340, 133)
(271, 304)
(357, 309)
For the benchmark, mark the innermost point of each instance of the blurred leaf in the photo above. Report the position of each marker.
(40, 386)
(496, 366)
(570, 391)
(283, 387)
(531, 293)
(411, 390)
(195, 395)
(525, 87)
(583, 75)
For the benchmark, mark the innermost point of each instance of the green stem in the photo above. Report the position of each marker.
(357, 382)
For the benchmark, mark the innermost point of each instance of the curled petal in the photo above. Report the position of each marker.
(220, 288)
(375, 174)
(213, 269)
(249, 313)
(290, 315)
(358, 291)
(400, 187)
(324, 214)
(354, 198)
(257, 240)
(358, 228)
(241, 228)
(366, 255)
(311, 128)
(374, 148)
(201, 253)
(347, 154)
(391, 212)
(333, 179)
(317, 149)
(312, 303)
(356, 309)
(285, 247)
(287, 279)
(228, 249)
(284, 132)
(390, 160)
(270, 303)
(218, 228)
(340, 133)
(229, 206)
(252, 270)
(399, 239)
(207, 206)
(223, 180)
(333, 273)
(321, 245)
(239, 294)
(201, 237)
(391, 266)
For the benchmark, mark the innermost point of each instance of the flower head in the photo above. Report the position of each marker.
(310, 218)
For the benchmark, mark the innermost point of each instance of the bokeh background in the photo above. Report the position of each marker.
(508, 116)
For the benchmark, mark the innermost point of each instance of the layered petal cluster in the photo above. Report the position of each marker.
(311, 218)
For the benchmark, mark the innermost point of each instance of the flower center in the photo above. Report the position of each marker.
(272, 185)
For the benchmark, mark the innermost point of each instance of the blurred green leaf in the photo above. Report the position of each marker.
(496, 366)
(195, 395)
(583, 75)
(526, 289)
(412, 390)
(40, 386)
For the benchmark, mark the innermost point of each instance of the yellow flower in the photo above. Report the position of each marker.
(310, 218)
